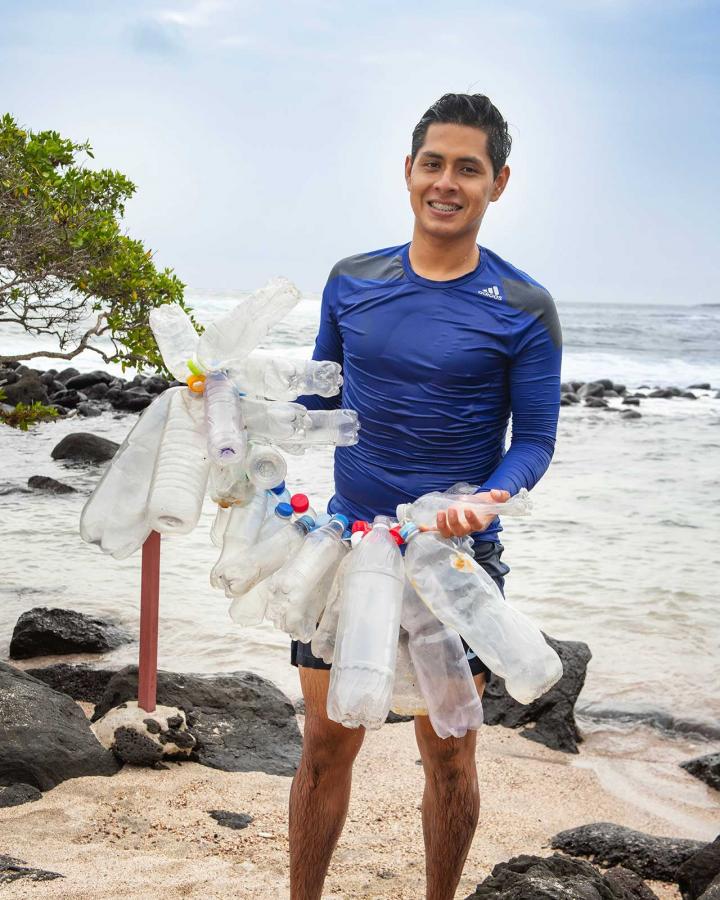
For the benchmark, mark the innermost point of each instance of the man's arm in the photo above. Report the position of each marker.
(328, 346)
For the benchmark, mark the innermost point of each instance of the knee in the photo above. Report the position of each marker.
(329, 751)
(448, 760)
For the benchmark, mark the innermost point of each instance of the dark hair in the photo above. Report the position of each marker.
(475, 110)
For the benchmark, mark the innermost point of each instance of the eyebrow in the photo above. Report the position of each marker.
(430, 154)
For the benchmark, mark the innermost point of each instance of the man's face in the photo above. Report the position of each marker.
(451, 181)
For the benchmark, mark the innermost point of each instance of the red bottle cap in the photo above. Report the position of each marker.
(395, 532)
(299, 503)
(360, 525)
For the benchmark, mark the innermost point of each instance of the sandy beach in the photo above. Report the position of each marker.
(145, 832)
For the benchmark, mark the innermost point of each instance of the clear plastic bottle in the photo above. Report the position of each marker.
(176, 338)
(116, 517)
(265, 557)
(301, 506)
(217, 531)
(324, 638)
(443, 671)
(407, 699)
(265, 466)
(275, 520)
(462, 595)
(337, 427)
(361, 679)
(229, 339)
(226, 435)
(277, 378)
(241, 533)
(229, 485)
(249, 608)
(423, 512)
(274, 420)
(181, 468)
(294, 605)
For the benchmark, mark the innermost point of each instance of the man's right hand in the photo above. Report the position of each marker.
(464, 519)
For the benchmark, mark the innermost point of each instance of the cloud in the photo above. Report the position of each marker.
(195, 14)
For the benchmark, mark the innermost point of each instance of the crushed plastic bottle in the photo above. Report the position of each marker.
(296, 605)
(229, 339)
(265, 466)
(249, 608)
(423, 512)
(226, 435)
(229, 484)
(264, 558)
(407, 698)
(361, 679)
(462, 595)
(278, 378)
(442, 669)
(338, 427)
(181, 468)
(241, 533)
(115, 517)
(176, 338)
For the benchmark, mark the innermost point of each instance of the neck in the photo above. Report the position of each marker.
(439, 259)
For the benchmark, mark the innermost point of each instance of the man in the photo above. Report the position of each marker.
(440, 341)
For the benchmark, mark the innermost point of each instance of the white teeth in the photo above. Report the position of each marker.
(444, 207)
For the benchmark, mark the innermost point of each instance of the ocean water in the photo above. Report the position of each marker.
(620, 552)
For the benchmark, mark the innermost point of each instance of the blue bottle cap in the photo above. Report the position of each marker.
(407, 530)
(347, 535)
(307, 522)
(341, 518)
(279, 488)
(284, 510)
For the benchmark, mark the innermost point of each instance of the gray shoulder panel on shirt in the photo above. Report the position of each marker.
(536, 301)
(370, 267)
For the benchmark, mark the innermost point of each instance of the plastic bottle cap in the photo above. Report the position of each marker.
(360, 525)
(408, 530)
(341, 518)
(299, 503)
(399, 539)
(284, 510)
(279, 488)
(307, 522)
(347, 534)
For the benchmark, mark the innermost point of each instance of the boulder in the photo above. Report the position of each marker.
(596, 402)
(713, 892)
(45, 737)
(27, 389)
(705, 386)
(241, 721)
(132, 400)
(688, 395)
(43, 632)
(657, 858)
(630, 414)
(706, 768)
(88, 410)
(8, 376)
(86, 379)
(564, 400)
(49, 485)
(13, 869)
(611, 393)
(662, 393)
(85, 447)
(79, 682)
(590, 389)
(141, 738)
(68, 399)
(631, 401)
(551, 716)
(227, 819)
(606, 383)
(96, 391)
(697, 874)
(67, 374)
(17, 794)
(558, 878)
(573, 398)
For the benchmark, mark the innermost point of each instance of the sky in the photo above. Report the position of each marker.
(268, 138)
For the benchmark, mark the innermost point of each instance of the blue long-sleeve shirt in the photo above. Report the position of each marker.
(434, 370)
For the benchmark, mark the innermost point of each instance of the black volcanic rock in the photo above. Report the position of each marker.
(17, 794)
(85, 447)
(706, 768)
(44, 632)
(697, 874)
(49, 485)
(80, 682)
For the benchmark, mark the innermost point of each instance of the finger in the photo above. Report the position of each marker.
(476, 522)
(500, 496)
(457, 528)
(442, 525)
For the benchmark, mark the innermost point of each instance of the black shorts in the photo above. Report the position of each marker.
(487, 554)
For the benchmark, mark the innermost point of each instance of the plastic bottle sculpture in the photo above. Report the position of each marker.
(323, 640)
(264, 375)
(462, 595)
(265, 466)
(296, 603)
(241, 532)
(227, 438)
(407, 698)
(443, 672)
(361, 679)
(326, 426)
(423, 512)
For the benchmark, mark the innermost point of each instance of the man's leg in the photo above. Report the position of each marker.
(320, 791)
(450, 806)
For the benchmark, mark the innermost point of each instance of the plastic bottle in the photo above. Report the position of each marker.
(217, 531)
(322, 519)
(462, 595)
(229, 485)
(226, 436)
(280, 494)
(295, 606)
(276, 520)
(324, 638)
(115, 517)
(230, 338)
(274, 420)
(407, 698)
(265, 466)
(249, 608)
(337, 427)
(277, 378)
(265, 557)
(176, 338)
(423, 512)
(301, 506)
(361, 679)
(241, 533)
(443, 672)
(181, 468)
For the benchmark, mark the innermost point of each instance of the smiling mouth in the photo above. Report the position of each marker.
(444, 207)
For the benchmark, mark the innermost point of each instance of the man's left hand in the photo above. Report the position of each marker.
(464, 519)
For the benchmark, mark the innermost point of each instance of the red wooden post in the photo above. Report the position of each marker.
(149, 609)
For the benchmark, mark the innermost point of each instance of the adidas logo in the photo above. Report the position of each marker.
(492, 292)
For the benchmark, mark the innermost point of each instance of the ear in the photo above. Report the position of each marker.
(500, 184)
(408, 169)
